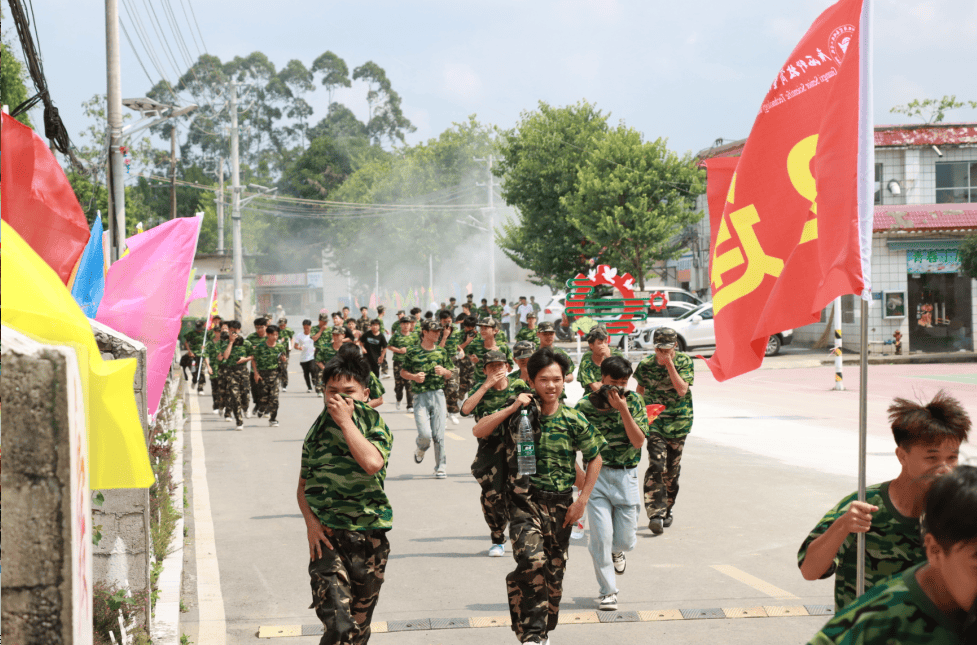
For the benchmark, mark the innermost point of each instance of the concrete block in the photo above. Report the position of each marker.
(34, 549)
(32, 387)
(33, 615)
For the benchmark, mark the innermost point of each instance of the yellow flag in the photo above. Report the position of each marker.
(37, 304)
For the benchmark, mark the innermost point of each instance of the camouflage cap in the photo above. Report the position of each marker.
(597, 332)
(523, 349)
(200, 324)
(488, 321)
(338, 330)
(429, 324)
(324, 315)
(495, 356)
(665, 338)
(406, 319)
(283, 320)
(531, 314)
(545, 327)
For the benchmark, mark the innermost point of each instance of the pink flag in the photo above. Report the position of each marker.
(145, 294)
(199, 289)
(373, 300)
(468, 287)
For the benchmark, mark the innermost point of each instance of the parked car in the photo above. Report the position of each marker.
(640, 338)
(696, 331)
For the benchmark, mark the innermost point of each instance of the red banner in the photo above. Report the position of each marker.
(788, 240)
(37, 200)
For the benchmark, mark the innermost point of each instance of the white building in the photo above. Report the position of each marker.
(926, 205)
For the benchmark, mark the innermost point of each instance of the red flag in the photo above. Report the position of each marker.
(795, 230)
(37, 200)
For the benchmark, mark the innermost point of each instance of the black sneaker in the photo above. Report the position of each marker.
(668, 520)
(656, 525)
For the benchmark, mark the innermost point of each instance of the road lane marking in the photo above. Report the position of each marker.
(452, 435)
(212, 626)
(756, 583)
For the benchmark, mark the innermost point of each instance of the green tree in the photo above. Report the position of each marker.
(387, 120)
(13, 89)
(931, 110)
(968, 256)
(631, 198)
(540, 160)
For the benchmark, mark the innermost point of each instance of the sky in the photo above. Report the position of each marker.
(691, 72)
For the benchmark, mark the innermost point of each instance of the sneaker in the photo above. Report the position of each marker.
(284, 388)
(240, 427)
(227, 419)
(608, 602)
(496, 550)
(308, 391)
(261, 415)
(620, 563)
(397, 405)
(668, 520)
(273, 423)
(247, 415)
(418, 456)
(440, 474)
(455, 420)
(217, 411)
(656, 525)
(410, 408)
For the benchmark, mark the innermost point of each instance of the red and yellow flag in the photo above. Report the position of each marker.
(795, 229)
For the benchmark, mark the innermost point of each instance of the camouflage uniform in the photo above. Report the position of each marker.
(268, 362)
(894, 611)
(194, 339)
(236, 385)
(211, 352)
(452, 386)
(466, 370)
(376, 387)
(489, 467)
(668, 431)
(285, 337)
(590, 371)
(892, 545)
(401, 385)
(253, 385)
(429, 408)
(538, 506)
(477, 348)
(346, 580)
(363, 324)
(528, 334)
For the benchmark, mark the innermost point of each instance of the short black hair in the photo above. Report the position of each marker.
(470, 321)
(260, 321)
(484, 299)
(272, 329)
(336, 313)
(451, 299)
(363, 309)
(617, 367)
(375, 321)
(429, 314)
(307, 322)
(941, 419)
(349, 349)
(233, 324)
(345, 365)
(415, 310)
(503, 301)
(543, 358)
(444, 313)
(951, 507)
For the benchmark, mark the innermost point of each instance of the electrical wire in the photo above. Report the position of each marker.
(194, 14)
(192, 35)
(129, 40)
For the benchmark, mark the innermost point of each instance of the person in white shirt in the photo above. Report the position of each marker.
(506, 320)
(523, 310)
(303, 342)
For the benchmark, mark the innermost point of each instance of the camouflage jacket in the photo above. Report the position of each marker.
(558, 437)
(491, 448)
(421, 360)
(363, 324)
(325, 338)
(194, 339)
(451, 345)
(528, 334)
(211, 350)
(285, 336)
(237, 353)
(619, 450)
(267, 358)
(477, 348)
(892, 545)
(400, 341)
(590, 371)
(569, 358)
(339, 492)
(254, 338)
(376, 387)
(325, 352)
(896, 610)
(676, 421)
(496, 311)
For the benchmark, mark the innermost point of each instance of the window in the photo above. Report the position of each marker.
(847, 309)
(956, 182)
(878, 184)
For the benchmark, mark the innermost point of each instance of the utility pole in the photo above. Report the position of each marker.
(116, 183)
(173, 171)
(490, 211)
(236, 208)
(220, 206)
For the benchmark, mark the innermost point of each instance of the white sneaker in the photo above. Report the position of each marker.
(418, 456)
(308, 391)
(397, 405)
(455, 420)
(608, 602)
(227, 419)
(273, 423)
(284, 388)
(620, 563)
(440, 474)
(247, 415)
(410, 408)
(216, 411)
(496, 550)
(241, 427)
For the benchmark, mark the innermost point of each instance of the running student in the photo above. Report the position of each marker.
(347, 513)
(400, 341)
(306, 345)
(928, 439)
(426, 366)
(928, 603)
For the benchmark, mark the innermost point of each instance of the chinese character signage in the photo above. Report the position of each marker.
(932, 261)
(281, 280)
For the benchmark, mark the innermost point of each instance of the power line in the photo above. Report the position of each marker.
(194, 14)
(129, 40)
(158, 28)
(192, 35)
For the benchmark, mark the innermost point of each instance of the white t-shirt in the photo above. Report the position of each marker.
(522, 311)
(506, 314)
(306, 343)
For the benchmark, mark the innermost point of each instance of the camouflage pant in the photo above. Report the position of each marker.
(661, 478)
(540, 546)
(466, 376)
(236, 392)
(452, 393)
(346, 583)
(267, 400)
(216, 390)
(401, 384)
(384, 366)
(283, 372)
(494, 498)
(254, 389)
(196, 365)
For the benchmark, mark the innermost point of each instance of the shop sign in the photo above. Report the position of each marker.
(933, 261)
(281, 280)
(315, 279)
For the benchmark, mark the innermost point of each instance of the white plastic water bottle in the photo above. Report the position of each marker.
(525, 447)
(578, 526)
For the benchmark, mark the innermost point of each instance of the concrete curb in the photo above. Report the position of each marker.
(166, 624)
(914, 359)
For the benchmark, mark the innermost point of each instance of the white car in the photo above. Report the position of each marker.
(696, 332)
(640, 338)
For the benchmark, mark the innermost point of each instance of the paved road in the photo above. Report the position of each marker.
(770, 452)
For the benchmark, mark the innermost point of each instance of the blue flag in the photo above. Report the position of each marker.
(89, 285)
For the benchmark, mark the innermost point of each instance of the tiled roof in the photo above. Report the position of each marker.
(917, 217)
(925, 135)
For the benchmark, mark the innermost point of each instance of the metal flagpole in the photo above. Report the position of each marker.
(866, 213)
(210, 308)
(836, 321)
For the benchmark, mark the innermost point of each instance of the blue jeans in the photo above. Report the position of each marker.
(430, 415)
(612, 510)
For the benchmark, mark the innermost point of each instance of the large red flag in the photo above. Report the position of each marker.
(795, 230)
(37, 200)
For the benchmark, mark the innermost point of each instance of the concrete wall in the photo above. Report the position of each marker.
(46, 596)
(124, 552)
